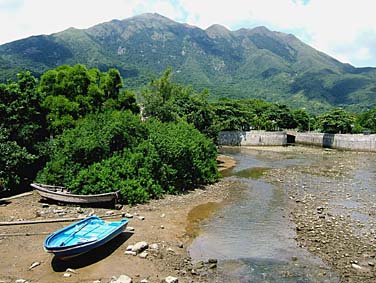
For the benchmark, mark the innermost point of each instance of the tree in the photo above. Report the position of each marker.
(302, 119)
(336, 121)
(367, 120)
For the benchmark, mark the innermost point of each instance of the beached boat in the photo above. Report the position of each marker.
(61, 194)
(83, 236)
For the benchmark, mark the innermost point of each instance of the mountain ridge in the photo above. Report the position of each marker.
(245, 63)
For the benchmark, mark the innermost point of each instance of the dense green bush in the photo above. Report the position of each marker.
(188, 156)
(96, 137)
(134, 173)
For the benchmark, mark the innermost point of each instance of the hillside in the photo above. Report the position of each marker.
(235, 64)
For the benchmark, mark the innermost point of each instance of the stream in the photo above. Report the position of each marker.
(251, 234)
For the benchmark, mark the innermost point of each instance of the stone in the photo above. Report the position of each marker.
(34, 264)
(96, 281)
(130, 253)
(129, 228)
(66, 275)
(355, 266)
(212, 260)
(171, 279)
(144, 254)
(21, 281)
(141, 217)
(122, 279)
(154, 246)
(140, 246)
(71, 270)
(144, 281)
(370, 263)
(109, 212)
(129, 248)
(127, 215)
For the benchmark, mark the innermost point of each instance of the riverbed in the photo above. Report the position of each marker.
(295, 214)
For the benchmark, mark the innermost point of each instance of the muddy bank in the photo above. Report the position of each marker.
(333, 207)
(163, 222)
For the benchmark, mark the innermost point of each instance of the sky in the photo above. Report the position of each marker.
(344, 29)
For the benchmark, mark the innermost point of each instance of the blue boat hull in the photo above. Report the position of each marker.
(83, 236)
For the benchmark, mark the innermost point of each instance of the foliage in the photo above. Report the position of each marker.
(14, 162)
(135, 173)
(336, 121)
(73, 92)
(95, 137)
(368, 121)
(188, 157)
(170, 102)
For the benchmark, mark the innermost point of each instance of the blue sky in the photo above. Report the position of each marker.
(344, 29)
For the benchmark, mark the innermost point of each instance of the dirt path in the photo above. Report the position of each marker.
(165, 224)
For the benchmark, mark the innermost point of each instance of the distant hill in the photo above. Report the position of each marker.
(245, 63)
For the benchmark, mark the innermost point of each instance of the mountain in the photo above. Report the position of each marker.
(235, 64)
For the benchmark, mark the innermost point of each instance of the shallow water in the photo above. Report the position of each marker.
(251, 234)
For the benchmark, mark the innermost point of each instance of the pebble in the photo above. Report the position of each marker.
(71, 270)
(144, 254)
(128, 215)
(34, 264)
(21, 281)
(131, 229)
(141, 217)
(140, 246)
(130, 253)
(144, 281)
(154, 246)
(171, 279)
(122, 279)
(67, 275)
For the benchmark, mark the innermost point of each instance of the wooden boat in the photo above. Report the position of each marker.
(83, 236)
(61, 194)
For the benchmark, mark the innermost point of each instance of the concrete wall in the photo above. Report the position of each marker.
(258, 138)
(252, 138)
(348, 142)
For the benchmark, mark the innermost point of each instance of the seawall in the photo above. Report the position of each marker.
(357, 142)
(345, 141)
(252, 138)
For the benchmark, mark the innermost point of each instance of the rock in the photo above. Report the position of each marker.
(181, 245)
(109, 212)
(161, 227)
(129, 228)
(163, 215)
(154, 247)
(171, 279)
(129, 248)
(45, 205)
(370, 263)
(66, 275)
(212, 260)
(144, 254)
(140, 246)
(144, 281)
(355, 266)
(71, 270)
(96, 281)
(130, 253)
(122, 279)
(34, 264)
(212, 266)
(141, 217)
(21, 281)
(127, 215)
(118, 206)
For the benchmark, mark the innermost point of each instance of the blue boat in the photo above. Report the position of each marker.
(83, 236)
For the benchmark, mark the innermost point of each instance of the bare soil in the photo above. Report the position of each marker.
(166, 222)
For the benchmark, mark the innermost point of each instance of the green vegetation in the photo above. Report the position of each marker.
(79, 128)
(243, 64)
